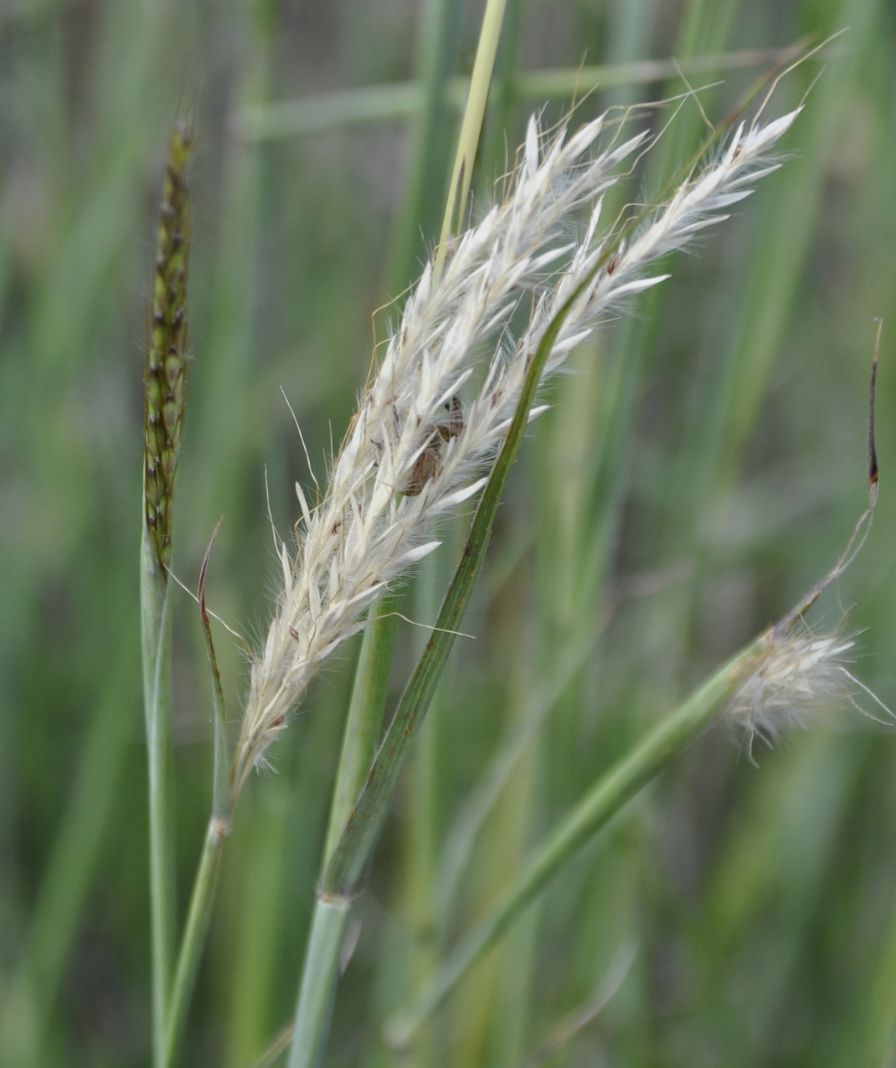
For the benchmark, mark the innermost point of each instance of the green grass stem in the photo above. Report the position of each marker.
(471, 127)
(315, 1005)
(352, 853)
(364, 720)
(193, 940)
(155, 600)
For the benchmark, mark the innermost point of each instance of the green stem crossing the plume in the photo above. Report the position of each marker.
(345, 868)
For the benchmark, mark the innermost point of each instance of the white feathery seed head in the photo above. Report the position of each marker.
(799, 675)
(405, 461)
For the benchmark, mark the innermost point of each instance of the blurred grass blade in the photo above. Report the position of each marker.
(379, 103)
(70, 868)
(608, 795)
(583, 1015)
(432, 137)
(462, 835)
(276, 1049)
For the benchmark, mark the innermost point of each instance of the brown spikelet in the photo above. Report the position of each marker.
(166, 356)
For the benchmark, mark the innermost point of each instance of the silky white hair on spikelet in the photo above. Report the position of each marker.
(368, 528)
(799, 675)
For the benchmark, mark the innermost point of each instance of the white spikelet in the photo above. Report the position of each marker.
(798, 675)
(404, 461)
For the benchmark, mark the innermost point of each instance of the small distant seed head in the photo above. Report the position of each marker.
(800, 673)
(166, 354)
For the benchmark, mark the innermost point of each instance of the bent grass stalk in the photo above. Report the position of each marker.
(607, 797)
(782, 651)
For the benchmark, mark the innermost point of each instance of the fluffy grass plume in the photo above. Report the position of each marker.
(368, 529)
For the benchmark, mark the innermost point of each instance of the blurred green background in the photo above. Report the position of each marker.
(703, 464)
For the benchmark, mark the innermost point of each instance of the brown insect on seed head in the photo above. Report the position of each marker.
(428, 464)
